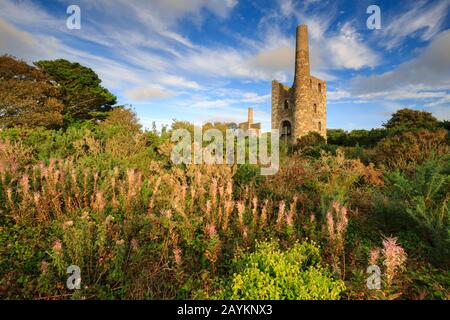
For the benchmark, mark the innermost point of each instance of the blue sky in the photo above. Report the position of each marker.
(209, 60)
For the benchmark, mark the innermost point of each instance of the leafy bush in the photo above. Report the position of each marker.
(421, 201)
(407, 149)
(247, 174)
(407, 119)
(272, 273)
(310, 145)
(27, 96)
(311, 139)
(362, 138)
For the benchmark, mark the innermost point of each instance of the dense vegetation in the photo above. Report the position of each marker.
(88, 187)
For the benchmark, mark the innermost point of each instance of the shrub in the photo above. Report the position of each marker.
(272, 273)
(407, 119)
(339, 175)
(247, 174)
(408, 149)
(311, 139)
(362, 138)
(310, 145)
(421, 201)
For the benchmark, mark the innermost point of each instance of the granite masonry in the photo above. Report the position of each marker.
(302, 108)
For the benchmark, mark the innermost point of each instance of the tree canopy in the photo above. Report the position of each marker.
(27, 96)
(83, 96)
(412, 119)
(50, 94)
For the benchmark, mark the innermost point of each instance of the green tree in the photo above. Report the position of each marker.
(311, 139)
(27, 97)
(84, 97)
(406, 119)
(336, 136)
(122, 119)
(445, 124)
(404, 151)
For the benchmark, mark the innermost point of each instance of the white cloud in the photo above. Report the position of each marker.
(148, 93)
(287, 8)
(175, 9)
(330, 49)
(228, 98)
(175, 81)
(251, 97)
(220, 62)
(346, 50)
(424, 80)
(423, 20)
(427, 72)
(238, 96)
(23, 44)
(274, 60)
(337, 95)
(26, 13)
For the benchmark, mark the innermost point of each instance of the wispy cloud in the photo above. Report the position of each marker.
(148, 93)
(428, 71)
(422, 20)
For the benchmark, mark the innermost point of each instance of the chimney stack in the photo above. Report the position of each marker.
(250, 117)
(301, 54)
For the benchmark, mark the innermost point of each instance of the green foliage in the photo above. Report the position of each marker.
(445, 124)
(336, 136)
(358, 152)
(27, 97)
(361, 138)
(407, 119)
(408, 149)
(84, 97)
(421, 201)
(426, 282)
(311, 145)
(46, 144)
(247, 175)
(311, 139)
(272, 273)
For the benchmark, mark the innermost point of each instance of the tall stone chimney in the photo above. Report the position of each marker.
(302, 69)
(250, 116)
(302, 108)
(302, 92)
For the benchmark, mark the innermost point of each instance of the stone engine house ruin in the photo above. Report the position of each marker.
(302, 108)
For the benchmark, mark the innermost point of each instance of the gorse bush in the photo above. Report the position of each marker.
(407, 119)
(361, 138)
(408, 149)
(273, 273)
(247, 175)
(422, 201)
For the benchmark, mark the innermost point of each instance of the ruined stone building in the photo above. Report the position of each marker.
(302, 108)
(249, 126)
